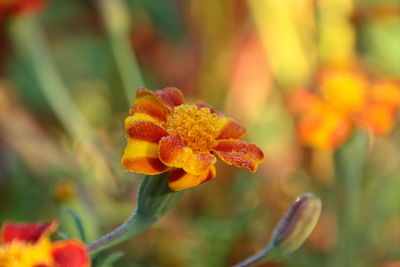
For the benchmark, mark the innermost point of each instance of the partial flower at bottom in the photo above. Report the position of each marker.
(165, 134)
(29, 245)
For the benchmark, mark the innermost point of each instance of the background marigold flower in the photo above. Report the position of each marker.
(27, 245)
(165, 134)
(344, 89)
(343, 100)
(324, 129)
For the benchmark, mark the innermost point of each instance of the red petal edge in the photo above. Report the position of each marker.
(70, 253)
(28, 232)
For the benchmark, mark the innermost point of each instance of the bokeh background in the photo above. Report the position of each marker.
(68, 74)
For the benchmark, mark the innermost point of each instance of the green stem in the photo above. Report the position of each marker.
(349, 163)
(154, 200)
(260, 257)
(117, 22)
(135, 224)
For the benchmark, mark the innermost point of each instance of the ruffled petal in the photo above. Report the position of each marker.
(174, 153)
(170, 96)
(178, 179)
(28, 232)
(230, 129)
(148, 108)
(70, 253)
(146, 131)
(239, 153)
(142, 157)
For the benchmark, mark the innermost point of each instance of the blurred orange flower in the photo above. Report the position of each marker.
(342, 100)
(28, 245)
(165, 134)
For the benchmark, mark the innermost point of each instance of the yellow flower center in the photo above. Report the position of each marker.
(197, 127)
(22, 254)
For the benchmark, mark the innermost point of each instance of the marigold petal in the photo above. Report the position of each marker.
(325, 130)
(201, 104)
(178, 179)
(230, 129)
(379, 118)
(146, 131)
(174, 153)
(149, 108)
(239, 153)
(386, 92)
(28, 232)
(170, 96)
(70, 253)
(302, 101)
(142, 157)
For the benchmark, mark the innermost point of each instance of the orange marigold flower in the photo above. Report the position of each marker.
(166, 134)
(341, 101)
(28, 245)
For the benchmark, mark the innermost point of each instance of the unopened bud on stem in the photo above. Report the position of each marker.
(291, 231)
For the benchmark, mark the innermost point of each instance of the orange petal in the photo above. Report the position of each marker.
(230, 129)
(386, 92)
(170, 96)
(302, 101)
(28, 232)
(146, 131)
(149, 108)
(174, 153)
(142, 156)
(325, 130)
(70, 253)
(240, 154)
(178, 179)
(379, 118)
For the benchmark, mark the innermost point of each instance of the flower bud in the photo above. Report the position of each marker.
(291, 231)
(297, 224)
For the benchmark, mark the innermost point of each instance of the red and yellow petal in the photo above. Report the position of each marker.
(170, 96)
(70, 253)
(149, 109)
(178, 179)
(142, 157)
(174, 153)
(239, 153)
(28, 232)
(146, 131)
(230, 129)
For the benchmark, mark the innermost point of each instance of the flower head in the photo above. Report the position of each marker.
(166, 134)
(28, 245)
(341, 101)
